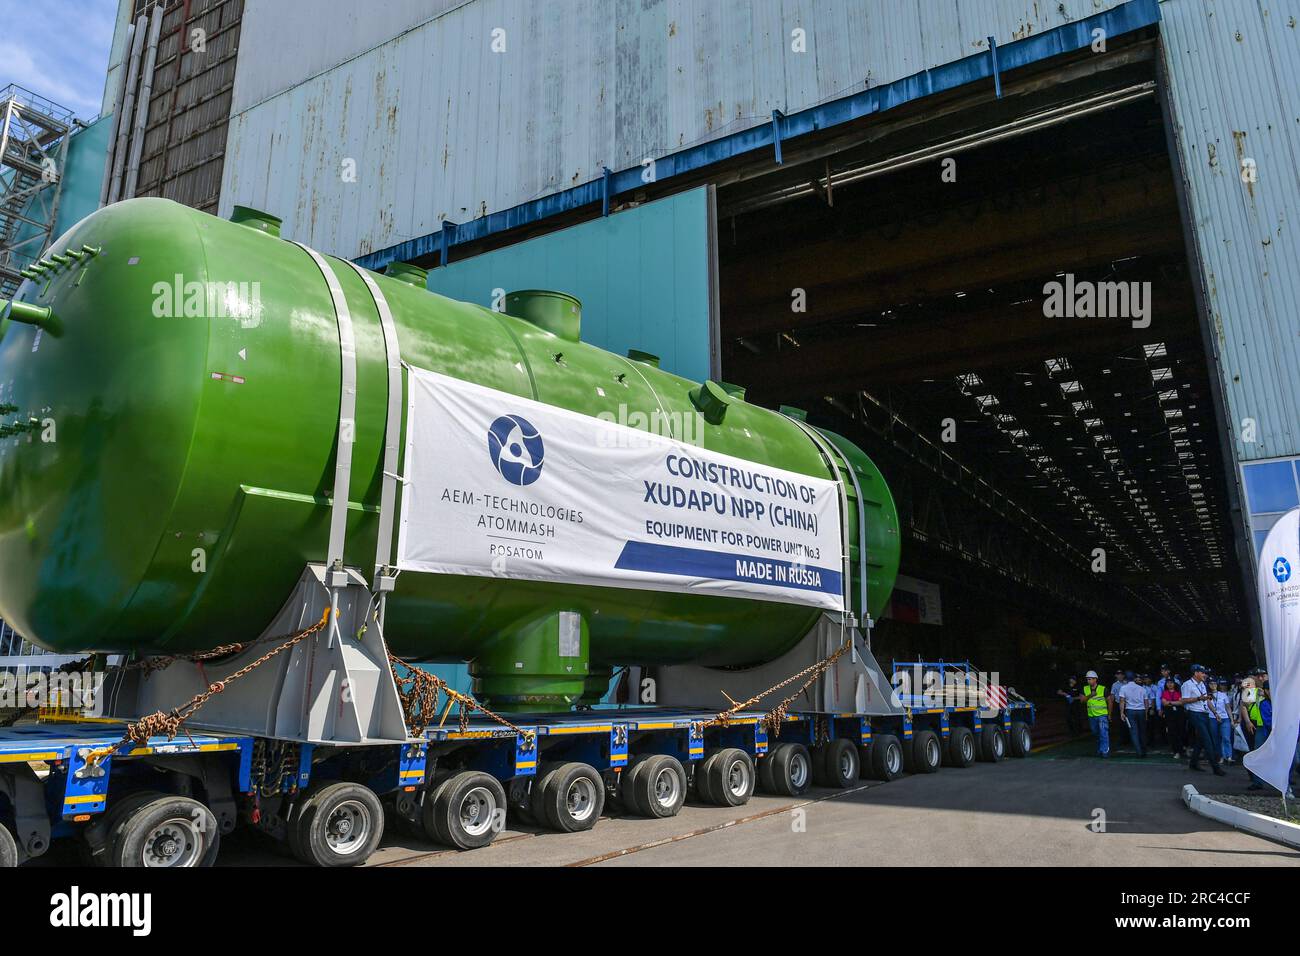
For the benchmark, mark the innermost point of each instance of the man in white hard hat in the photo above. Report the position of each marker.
(1097, 703)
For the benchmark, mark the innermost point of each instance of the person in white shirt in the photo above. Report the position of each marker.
(1132, 698)
(1204, 734)
(1220, 708)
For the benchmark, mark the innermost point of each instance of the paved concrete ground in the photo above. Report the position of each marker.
(1020, 813)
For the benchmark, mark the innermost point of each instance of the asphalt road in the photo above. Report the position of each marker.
(1058, 807)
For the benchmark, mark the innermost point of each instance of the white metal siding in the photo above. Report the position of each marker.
(442, 127)
(1235, 84)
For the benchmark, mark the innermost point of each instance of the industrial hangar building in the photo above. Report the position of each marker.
(855, 207)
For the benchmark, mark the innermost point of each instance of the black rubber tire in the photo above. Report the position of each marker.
(118, 807)
(818, 755)
(887, 757)
(551, 793)
(927, 751)
(706, 777)
(1021, 741)
(650, 790)
(993, 744)
(309, 830)
(864, 761)
(442, 813)
(788, 780)
(8, 849)
(628, 793)
(294, 825)
(429, 820)
(728, 778)
(839, 764)
(764, 772)
(961, 750)
(196, 827)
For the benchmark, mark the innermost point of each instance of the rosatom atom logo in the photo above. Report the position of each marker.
(1282, 570)
(516, 449)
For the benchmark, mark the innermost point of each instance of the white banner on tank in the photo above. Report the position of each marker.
(1279, 606)
(503, 486)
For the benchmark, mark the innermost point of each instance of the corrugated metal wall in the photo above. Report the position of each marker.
(184, 144)
(440, 126)
(1234, 73)
(185, 140)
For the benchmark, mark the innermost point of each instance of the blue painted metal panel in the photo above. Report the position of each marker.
(642, 275)
(1066, 38)
(83, 174)
(456, 675)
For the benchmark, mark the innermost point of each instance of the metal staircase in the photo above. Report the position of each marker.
(34, 134)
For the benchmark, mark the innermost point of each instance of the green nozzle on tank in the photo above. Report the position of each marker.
(408, 273)
(555, 312)
(40, 316)
(258, 220)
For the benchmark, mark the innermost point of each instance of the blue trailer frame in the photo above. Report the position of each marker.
(233, 775)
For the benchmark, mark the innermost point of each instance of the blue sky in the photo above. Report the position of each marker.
(59, 51)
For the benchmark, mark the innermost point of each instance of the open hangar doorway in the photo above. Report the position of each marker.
(1060, 472)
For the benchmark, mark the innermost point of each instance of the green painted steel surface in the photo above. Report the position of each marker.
(190, 474)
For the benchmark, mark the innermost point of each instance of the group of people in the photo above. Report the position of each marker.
(1202, 715)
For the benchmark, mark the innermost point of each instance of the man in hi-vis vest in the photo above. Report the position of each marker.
(1098, 706)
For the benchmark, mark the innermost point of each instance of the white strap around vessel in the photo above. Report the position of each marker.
(393, 426)
(829, 457)
(347, 412)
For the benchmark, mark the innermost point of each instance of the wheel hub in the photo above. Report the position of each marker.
(173, 843)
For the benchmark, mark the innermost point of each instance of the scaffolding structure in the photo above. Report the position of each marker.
(34, 134)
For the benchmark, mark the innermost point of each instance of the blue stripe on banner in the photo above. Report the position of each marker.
(724, 566)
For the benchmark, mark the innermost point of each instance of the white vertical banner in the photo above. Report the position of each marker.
(503, 486)
(1279, 604)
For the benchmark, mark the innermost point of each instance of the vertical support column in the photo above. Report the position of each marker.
(997, 73)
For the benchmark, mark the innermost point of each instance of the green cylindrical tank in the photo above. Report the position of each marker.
(172, 468)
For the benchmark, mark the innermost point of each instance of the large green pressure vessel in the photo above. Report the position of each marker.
(168, 461)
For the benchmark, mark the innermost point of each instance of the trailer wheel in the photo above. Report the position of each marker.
(886, 757)
(791, 769)
(464, 811)
(960, 751)
(927, 752)
(164, 830)
(864, 761)
(656, 787)
(339, 825)
(705, 777)
(8, 849)
(763, 772)
(569, 797)
(727, 777)
(839, 764)
(1021, 742)
(118, 808)
(629, 790)
(993, 745)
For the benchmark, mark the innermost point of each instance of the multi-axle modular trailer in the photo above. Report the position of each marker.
(205, 413)
(169, 802)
